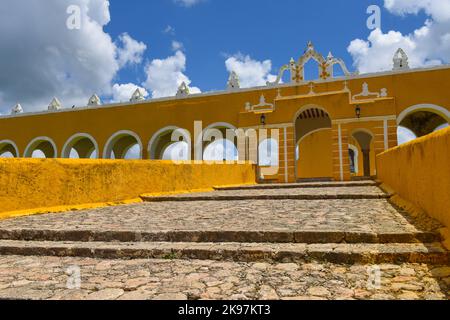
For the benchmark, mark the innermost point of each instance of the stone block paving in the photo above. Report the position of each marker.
(366, 190)
(377, 216)
(52, 278)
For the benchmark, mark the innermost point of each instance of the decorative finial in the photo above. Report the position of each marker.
(311, 88)
(330, 56)
(55, 105)
(310, 45)
(17, 109)
(346, 86)
(233, 81)
(279, 94)
(94, 101)
(400, 60)
(137, 96)
(183, 90)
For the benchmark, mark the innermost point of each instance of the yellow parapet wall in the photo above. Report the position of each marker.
(43, 183)
(419, 172)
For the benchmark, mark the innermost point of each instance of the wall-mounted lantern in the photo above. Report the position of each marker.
(358, 111)
(263, 119)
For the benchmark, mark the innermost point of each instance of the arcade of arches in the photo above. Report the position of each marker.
(332, 128)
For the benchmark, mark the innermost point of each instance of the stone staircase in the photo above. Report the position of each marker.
(342, 223)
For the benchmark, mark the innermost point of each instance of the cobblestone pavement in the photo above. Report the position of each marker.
(49, 278)
(281, 215)
(371, 190)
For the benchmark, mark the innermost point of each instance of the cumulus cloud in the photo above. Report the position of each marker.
(130, 51)
(164, 76)
(41, 57)
(123, 92)
(252, 73)
(177, 46)
(426, 46)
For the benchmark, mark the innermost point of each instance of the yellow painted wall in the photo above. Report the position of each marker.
(419, 172)
(316, 156)
(37, 183)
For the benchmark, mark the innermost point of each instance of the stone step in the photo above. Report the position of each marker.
(217, 196)
(238, 252)
(310, 185)
(224, 236)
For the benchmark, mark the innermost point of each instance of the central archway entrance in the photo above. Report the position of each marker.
(314, 154)
(363, 153)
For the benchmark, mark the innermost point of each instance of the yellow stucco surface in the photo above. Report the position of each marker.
(419, 172)
(65, 183)
(316, 156)
(405, 91)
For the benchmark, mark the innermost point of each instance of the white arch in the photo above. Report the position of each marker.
(199, 139)
(29, 152)
(109, 144)
(65, 153)
(356, 151)
(10, 142)
(444, 113)
(308, 107)
(151, 145)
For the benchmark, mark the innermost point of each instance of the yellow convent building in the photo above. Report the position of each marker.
(329, 128)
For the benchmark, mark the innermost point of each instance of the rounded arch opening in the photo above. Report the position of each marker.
(268, 153)
(41, 147)
(82, 146)
(216, 145)
(123, 145)
(314, 155)
(170, 143)
(364, 139)
(423, 119)
(353, 153)
(8, 149)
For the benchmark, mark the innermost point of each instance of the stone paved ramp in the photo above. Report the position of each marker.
(47, 277)
(230, 248)
(300, 193)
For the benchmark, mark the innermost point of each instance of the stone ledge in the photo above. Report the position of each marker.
(237, 252)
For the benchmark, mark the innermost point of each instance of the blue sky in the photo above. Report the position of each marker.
(264, 29)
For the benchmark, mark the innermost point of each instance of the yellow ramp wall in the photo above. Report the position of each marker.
(419, 172)
(41, 183)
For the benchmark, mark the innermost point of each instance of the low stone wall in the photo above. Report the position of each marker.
(419, 172)
(42, 183)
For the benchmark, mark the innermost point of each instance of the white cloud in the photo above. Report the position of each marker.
(48, 59)
(252, 73)
(164, 76)
(188, 3)
(131, 51)
(427, 45)
(123, 92)
(169, 30)
(176, 46)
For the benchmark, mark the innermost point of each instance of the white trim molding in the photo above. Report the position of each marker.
(356, 151)
(65, 153)
(108, 146)
(152, 144)
(10, 142)
(33, 143)
(200, 137)
(443, 112)
(308, 107)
